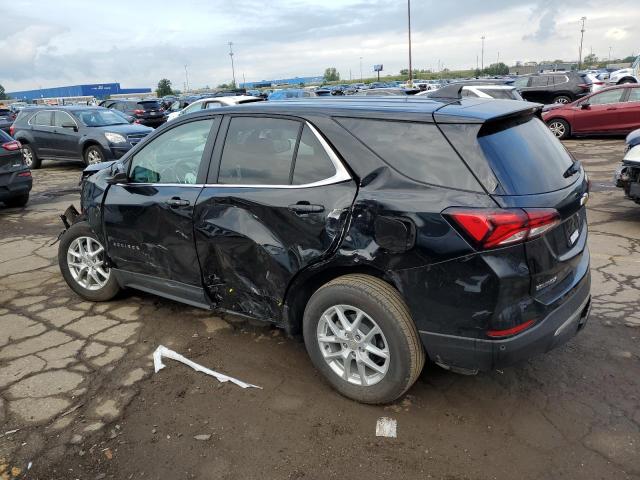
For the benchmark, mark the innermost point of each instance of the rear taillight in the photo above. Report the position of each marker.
(584, 86)
(12, 130)
(12, 146)
(25, 174)
(491, 228)
(507, 332)
(138, 112)
(136, 121)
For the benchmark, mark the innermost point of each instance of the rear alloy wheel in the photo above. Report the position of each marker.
(82, 259)
(563, 99)
(559, 128)
(360, 336)
(93, 155)
(31, 160)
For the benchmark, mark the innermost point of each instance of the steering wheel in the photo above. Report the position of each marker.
(185, 172)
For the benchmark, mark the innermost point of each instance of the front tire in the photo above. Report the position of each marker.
(560, 128)
(30, 157)
(82, 261)
(360, 336)
(93, 154)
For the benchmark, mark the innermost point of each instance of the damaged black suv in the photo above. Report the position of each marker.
(384, 230)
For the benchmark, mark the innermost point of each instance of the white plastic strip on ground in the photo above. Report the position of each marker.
(386, 427)
(163, 351)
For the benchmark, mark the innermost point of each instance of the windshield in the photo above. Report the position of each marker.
(100, 118)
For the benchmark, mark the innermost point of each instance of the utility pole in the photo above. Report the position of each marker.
(498, 58)
(482, 62)
(360, 69)
(233, 69)
(583, 19)
(244, 81)
(610, 48)
(186, 77)
(409, 24)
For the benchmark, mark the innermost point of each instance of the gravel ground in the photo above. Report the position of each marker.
(77, 381)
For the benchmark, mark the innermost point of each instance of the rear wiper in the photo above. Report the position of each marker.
(573, 169)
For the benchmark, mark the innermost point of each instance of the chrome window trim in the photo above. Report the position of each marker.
(36, 114)
(341, 175)
(68, 115)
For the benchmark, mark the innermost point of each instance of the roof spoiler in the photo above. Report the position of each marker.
(449, 91)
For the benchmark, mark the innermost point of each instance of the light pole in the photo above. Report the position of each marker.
(581, 39)
(482, 56)
(233, 69)
(186, 77)
(610, 48)
(360, 69)
(409, 24)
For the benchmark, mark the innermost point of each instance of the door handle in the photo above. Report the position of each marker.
(177, 202)
(303, 208)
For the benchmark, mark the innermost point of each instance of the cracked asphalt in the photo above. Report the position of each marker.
(79, 399)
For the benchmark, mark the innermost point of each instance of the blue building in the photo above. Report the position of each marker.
(282, 81)
(98, 90)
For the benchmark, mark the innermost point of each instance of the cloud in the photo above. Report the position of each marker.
(616, 34)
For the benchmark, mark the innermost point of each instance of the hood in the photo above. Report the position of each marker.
(124, 129)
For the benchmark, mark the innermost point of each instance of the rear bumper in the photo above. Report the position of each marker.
(153, 122)
(12, 185)
(470, 355)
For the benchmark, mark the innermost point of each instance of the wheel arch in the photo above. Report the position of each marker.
(305, 284)
(90, 142)
(627, 79)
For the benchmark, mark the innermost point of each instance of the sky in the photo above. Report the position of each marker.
(47, 43)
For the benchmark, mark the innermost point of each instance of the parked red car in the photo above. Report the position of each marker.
(614, 110)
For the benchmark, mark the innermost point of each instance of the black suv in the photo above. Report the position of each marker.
(93, 134)
(15, 176)
(557, 87)
(385, 230)
(145, 112)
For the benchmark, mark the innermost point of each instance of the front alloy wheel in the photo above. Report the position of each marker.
(353, 345)
(85, 258)
(559, 128)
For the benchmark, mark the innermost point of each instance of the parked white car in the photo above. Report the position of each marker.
(505, 92)
(213, 102)
(597, 83)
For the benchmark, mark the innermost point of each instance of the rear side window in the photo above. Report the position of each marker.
(502, 93)
(416, 150)
(540, 81)
(258, 151)
(525, 156)
(558, 79)
(42, 119)
(312, 162)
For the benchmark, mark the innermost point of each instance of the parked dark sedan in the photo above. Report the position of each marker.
(146, 112)
(557, 87)
(92, 134)
(356, 222)
(15, 176)
(7, 117)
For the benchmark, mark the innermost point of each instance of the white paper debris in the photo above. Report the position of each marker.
(163, 351)
(386, 427)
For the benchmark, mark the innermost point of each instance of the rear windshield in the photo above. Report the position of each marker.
(416, 150)
(152, 105)
(525, 156)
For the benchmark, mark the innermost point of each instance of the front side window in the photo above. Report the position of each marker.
(605, 98)
(540, 81)
(173, 157)
(258, 151)
(416, 150)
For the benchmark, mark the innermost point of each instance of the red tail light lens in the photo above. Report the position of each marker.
(138, 112)
(490, 228)
(509, 331)
(12, 130)
(12, 146)
(24, 174)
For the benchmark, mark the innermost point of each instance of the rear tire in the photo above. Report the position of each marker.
(564, 99)
(30, 157)
(20, 201)
(83, 268)
(625, 81)
(93, 154)
(353, 359)
(560, 128)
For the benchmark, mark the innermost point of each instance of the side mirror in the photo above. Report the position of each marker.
(70, 125)
(118, 177)
(585, 106)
